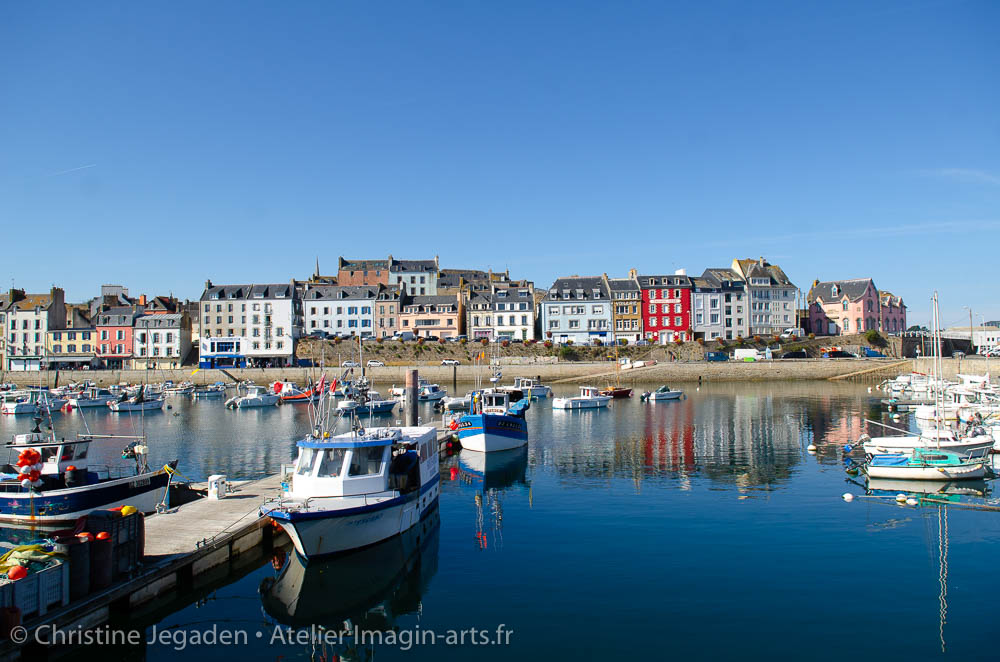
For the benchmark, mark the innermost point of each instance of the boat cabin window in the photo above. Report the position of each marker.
(49, 453)
(81, 451)
(306, 457)
(366, 461)
(331, 463)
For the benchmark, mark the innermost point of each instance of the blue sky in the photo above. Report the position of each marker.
(160, 144)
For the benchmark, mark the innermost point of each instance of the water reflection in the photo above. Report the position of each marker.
(488, 476)
(367, 589)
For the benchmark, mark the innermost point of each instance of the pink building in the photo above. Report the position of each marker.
(842, 307)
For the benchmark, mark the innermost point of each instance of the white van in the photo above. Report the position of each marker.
(792, 333)
(746, 355)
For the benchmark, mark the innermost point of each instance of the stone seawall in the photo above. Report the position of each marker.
(970, 365)
(573, 372)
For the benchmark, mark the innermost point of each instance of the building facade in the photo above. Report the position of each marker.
(387, 306)
(115, 329)
(626, 307)
(771, 295)
(29, 319)
(161, 341)
(577, 309)
(666, 307)
(362, 272)
(419, 276)
(339, 309)
(479, 316)
(253, 325)
(513, 310)
(71, 348)
(432, 316)
(718, 305)
(893, 313)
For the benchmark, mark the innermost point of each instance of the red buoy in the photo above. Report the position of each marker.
(454, 473)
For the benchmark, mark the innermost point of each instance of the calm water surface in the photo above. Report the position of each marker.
(695, 529)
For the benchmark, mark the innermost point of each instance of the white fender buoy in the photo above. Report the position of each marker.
(900, 498)
(869, 389)
(895, 417)
(911, 502)
(811, 448)
(848, 496)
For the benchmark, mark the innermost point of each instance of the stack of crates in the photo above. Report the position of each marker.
(39, 591)
(125, 532)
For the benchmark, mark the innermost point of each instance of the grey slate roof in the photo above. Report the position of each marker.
(159, 321)
(261, 291)
(415, 266)
(117, 317)
(344, 264)
(623, 285)
(853, 289)
(667, 280)
(721, 278)
(578, 288)
(431, 301)
(340, 292)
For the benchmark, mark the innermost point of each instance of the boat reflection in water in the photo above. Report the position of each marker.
(929, 488)
(490, 475)
(363, 590)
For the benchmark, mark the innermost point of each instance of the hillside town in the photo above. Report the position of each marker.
(259, 324)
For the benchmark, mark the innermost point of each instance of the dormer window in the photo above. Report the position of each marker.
(597, 293)
(215, 295)
(834, 290)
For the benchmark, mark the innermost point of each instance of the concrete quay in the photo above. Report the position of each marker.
(567, 371)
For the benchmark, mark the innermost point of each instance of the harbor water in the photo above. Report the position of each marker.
(695, 529)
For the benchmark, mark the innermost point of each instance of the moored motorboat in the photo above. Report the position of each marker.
(589, 398)
(662, 394)
(90, 397)
(255, 396)
(141, 401)
(290, 392)
(926, 464)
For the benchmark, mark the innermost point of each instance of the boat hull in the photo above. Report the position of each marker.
(143, 492)
(965, 472)
(147, 405)
(669, 395)
(486, 433)
(581, 403)
(322, 534)
(618, 392)
(907, 444)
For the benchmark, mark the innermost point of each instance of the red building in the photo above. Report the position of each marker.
(114, 336)
(666, 308)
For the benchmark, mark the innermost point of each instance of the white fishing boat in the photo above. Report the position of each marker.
(216, 390)
(184, 388)
(255, 396)
(358, 488)
(589, 398)
(90, 397)
(662, 393)
(431, 393)
(458, 403)
(531, 387)
(926, 464)
(367, 402)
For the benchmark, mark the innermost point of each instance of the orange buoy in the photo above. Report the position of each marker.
(17, 572)
(454, 473)
(86, 536)
(103, 535)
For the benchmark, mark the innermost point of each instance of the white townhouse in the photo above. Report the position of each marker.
(514, 310)
(161, 340)
(249, 325)
(772, 296)
(340, 310)
(577, 309)
(479, 316)
(419, 276)
(29, 318)
(719, 306)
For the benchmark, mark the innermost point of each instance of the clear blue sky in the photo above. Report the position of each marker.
(160, 144)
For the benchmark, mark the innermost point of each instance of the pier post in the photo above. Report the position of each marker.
(411, 397)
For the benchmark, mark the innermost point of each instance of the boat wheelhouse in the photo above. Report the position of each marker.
(358, 488)
(493, 423)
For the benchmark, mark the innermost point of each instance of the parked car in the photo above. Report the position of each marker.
(403, 335)
(350, 364)
(990, 352)
(716, 356)
(450, 362)
(431, 338)
(795, 354)
(838, 354)
(642, 342)
(372, 363)
(367, 337)
(319, 334)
